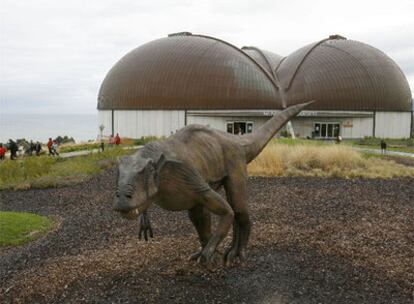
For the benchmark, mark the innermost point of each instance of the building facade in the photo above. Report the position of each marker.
(182, 79)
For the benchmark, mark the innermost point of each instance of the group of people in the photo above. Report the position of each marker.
(111, 141)
(30, 148)
(52, 146)
(33, 148)
(10, 146)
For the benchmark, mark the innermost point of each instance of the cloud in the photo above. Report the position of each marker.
(54, 55)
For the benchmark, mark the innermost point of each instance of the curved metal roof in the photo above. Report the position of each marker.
(188, 72)
(198, 72)
(270, 61)
(344, 75)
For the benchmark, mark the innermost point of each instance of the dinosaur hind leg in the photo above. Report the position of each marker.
(216, 204)
(235, 186)
(201, 219)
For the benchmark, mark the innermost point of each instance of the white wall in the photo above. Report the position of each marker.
(135, 124)
(220, 122)
(105, 118)
(357, 127)
(351, 127)
(392, 124)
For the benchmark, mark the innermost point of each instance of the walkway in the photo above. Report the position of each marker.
(389, 152)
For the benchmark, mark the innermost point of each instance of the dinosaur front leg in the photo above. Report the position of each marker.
(235, 186)
(201, 219)
(219, 206)
(144, 226)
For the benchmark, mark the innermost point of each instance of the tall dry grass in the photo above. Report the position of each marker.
(323, 161)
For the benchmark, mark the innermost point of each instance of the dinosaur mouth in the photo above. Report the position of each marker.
(130, 215)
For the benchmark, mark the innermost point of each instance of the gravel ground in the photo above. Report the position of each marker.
(313, 241)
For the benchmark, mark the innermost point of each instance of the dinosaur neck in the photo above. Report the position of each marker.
(255, 142)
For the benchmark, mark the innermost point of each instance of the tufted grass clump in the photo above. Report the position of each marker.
(323, 161)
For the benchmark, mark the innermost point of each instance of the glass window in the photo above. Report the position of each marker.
(323, 130)
(249, 127)
(230, 127)
(330, 130)
(317, 130)
(336, 130)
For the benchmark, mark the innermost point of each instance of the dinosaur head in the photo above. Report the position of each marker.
(137, 185)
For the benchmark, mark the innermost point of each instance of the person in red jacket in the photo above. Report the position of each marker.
(49, 146)
(117, 139)
(3, 151)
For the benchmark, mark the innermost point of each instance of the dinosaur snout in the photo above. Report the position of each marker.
(123, 204)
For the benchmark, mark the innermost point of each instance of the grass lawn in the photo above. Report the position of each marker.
(46, 171)
(20, 227)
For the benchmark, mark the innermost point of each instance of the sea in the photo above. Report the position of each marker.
(39, 127)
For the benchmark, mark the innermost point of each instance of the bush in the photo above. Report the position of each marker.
(65, 139)
(145, 139)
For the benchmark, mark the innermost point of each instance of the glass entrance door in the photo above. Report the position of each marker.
(326, 130)
(239, 127)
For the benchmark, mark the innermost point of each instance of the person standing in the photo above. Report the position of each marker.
(3, 151)
(383, 147)
(117, 139)
(13, 149)
(32, 148)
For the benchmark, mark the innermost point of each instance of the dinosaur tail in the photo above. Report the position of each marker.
(255, 142)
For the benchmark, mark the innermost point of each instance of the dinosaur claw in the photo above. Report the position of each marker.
(145, 228)
(234, 256)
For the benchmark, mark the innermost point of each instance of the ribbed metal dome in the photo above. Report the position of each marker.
(199, 72)
(344, 75)
(187, 72)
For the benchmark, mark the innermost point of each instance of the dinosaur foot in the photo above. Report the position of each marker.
(145, 228)
(234, 256)
(216, 258)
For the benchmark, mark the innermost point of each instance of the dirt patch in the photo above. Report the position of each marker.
(313, 241)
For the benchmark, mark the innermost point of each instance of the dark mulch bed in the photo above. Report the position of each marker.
(314, 241)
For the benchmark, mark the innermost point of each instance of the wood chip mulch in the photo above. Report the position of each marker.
(313, 241)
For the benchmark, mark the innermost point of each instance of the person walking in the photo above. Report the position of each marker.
(117, 139)
(13, 149)
(383, 147)
(3, 151)
(55, 148)
(38, 148)
(49, 146)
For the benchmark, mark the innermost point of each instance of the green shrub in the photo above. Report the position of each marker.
(145, 139)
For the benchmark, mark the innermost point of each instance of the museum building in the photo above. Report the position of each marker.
(183, 79)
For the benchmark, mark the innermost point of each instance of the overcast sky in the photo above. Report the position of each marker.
(55, 54)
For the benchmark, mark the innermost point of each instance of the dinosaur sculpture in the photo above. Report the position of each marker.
(184, 172)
